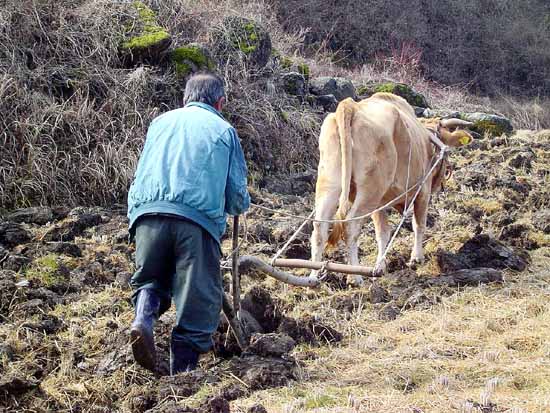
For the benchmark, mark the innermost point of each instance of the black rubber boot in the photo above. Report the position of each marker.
(182, 357)
(141, 333)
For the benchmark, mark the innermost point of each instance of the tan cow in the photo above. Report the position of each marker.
(365, 149)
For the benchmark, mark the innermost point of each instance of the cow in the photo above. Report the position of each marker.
(370, 153)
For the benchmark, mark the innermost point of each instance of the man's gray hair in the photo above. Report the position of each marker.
(204, 87)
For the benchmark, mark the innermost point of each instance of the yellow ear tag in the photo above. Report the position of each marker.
(464, 140)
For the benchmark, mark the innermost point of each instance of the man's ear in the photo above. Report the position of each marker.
(219, 104)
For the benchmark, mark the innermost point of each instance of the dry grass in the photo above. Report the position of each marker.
(72, 122)
(475, 348)
(74, 135)
(74, 116)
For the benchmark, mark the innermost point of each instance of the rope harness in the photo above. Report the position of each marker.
(439, 161)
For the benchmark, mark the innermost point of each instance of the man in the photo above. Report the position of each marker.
(191, 173)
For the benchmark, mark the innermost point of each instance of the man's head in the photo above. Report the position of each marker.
(206, 88)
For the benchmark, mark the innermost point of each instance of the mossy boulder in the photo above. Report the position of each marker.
(294, 83)
(245, 37)
(339, 87)
(146, 41)
(400, 89)
(487, 124)
(192, 58)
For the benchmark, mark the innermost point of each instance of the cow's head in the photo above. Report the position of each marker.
(451, 134)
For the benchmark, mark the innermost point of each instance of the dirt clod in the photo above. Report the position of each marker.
(12, 234)
(216, 404)
(389, 312)
(184, 384)
(309, 330)
(13, 385)
(33, 215)
(71, 227)
(473, 277)
(483, 251)
(257, 408)
(541, 220)
(234, 391)
(259, 303)
(67, 248)
(262, 373)
(274, 345)
(378, 294)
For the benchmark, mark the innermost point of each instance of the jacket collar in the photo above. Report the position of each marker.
(205, 106)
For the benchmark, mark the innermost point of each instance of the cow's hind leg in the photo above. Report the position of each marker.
(363, 204)
(383, 231)
(325, 208)
(419, 227)
(353, 229)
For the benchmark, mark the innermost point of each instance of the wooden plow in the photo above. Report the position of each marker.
(246, 263)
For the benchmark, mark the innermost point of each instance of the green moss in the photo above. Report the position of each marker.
(303, 69)
(364, 90)
(145, 13)
(151, 32)
(45, 269)
(146, 40)
(488, 127)
(248, 41)
(187, 57)
(286, 62)
(250, 28)
(284, 116)
(320, 401)
(404, 91)
(247, 48)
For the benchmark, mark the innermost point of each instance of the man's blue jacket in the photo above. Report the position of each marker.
(192, 165)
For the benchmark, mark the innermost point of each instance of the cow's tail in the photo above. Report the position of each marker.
(344, 116)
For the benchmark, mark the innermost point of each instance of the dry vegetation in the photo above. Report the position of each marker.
(493, 45)
(72, 121)
(406, 345)
(74, 114)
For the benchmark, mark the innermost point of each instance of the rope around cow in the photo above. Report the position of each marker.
(407, 210)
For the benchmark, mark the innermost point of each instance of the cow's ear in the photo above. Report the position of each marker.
(455, 139)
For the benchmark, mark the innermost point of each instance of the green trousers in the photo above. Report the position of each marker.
(179, 259)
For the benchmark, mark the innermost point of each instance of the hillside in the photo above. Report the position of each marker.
(493, 46)
(80, 82)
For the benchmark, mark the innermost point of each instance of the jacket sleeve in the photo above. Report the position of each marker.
(237, 199)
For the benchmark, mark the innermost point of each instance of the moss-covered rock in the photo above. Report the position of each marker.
(192, 58)
(340, 88)
(400, 89)
(245, 37)
(294, 83)
(487, 124)
(146, 40)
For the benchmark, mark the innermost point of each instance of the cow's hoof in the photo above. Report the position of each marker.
(414, 263)
(379, 269)
(355, 280)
